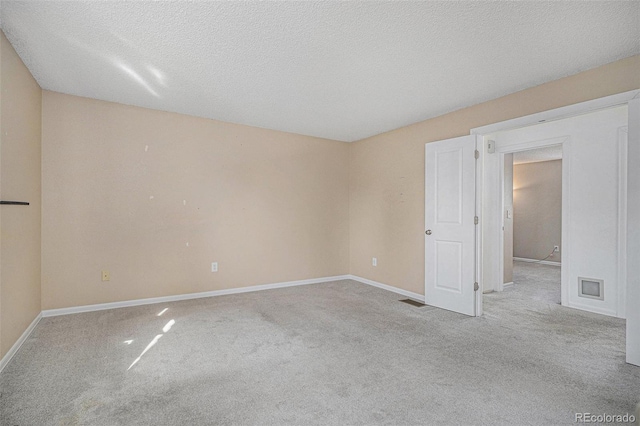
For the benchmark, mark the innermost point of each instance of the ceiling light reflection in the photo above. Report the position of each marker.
(168, 326)
(149, 346)
(137, 77)
(161, 78)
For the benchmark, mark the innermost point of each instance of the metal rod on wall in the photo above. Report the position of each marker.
(15, 203)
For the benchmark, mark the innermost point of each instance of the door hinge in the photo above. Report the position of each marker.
(475, 220)
(477, 154)
(476, 286)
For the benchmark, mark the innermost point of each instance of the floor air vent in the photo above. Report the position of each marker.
(591, 288)
(413, 303)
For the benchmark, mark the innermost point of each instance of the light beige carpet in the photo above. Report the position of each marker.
(337, 353)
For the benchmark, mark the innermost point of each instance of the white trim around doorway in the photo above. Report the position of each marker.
(558, 113)
(533, 119)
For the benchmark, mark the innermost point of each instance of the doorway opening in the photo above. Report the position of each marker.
(603, 228)
(599, 209)
(565, 208)
(531, 226)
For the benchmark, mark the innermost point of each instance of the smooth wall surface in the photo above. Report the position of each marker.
(20, 124)
(387, 171)
(156, 197)
(537, 207)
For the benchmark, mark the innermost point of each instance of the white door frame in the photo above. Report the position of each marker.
(529, 120)
(559, 113)
(633, 234)
(479, 195)
(552, 115)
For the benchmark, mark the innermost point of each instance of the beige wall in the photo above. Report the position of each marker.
(155, 197)
(387, 171)
(268, 206)
(508, 218)
(20, 124)
(537, 205)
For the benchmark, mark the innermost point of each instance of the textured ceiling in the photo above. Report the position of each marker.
(538, 154)
(339, 70)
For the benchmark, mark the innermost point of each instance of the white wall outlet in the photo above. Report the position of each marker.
(214, 266)
(556, 249)
(374, 261)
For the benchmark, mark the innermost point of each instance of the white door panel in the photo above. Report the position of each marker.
(450, 229)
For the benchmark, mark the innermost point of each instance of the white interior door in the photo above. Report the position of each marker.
(450, 206)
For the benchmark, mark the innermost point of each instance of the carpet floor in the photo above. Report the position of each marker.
(327, 354)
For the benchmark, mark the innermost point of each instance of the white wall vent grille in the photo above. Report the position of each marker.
(591, 288)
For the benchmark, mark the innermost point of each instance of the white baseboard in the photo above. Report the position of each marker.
(542, 262)
(407, 293)
(594, 309)
(16, 346)
(507, 284)
(188, 296)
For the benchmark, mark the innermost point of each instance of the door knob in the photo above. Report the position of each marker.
(428, 232)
